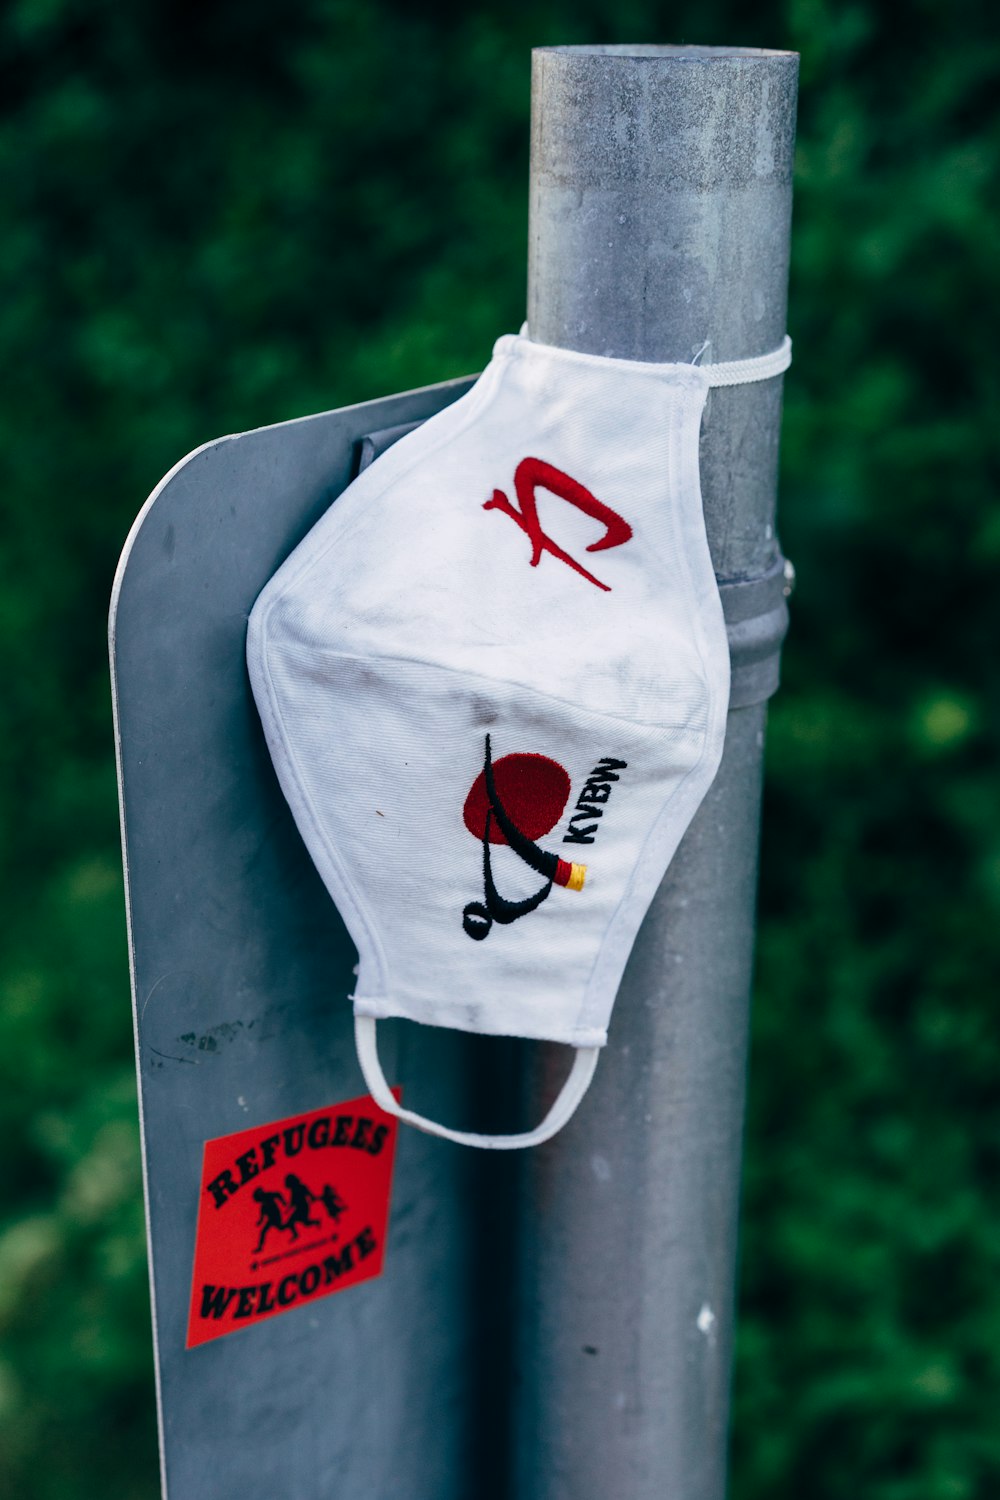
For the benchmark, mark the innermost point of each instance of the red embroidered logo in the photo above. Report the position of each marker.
(532, 474)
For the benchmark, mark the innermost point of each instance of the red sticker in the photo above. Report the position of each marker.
(290, 1212)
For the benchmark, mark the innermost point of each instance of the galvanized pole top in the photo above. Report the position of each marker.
(653, 170)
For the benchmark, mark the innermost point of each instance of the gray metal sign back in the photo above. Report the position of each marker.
(240, 970)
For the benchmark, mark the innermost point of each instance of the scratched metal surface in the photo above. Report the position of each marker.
(240, 970)
(660, 213)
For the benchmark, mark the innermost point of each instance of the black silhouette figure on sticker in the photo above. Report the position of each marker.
(536, 791)
(302, 1199)
(271, 1209)
(333, 1202)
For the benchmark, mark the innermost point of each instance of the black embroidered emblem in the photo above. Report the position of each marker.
(590, 803)
(515, 802)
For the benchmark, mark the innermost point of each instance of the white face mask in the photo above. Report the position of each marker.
(494, 680)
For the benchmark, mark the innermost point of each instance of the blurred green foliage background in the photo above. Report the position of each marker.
(218, 215)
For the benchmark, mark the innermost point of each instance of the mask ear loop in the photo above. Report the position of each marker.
(572, 1091)
(749, 371)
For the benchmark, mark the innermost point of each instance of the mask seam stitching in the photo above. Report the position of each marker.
(352, 899)
(523, 687)
(672, 371)
(687, 465)
(257, 634)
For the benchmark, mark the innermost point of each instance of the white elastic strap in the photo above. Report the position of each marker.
(569, 1096)
(745, 371)
(731, 372)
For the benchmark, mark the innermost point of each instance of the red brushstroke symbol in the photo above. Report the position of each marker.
(534, 473)
(532, 789)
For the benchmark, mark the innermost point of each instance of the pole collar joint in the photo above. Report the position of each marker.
(756, 614)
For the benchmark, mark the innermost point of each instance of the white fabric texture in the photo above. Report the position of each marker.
(493, 680)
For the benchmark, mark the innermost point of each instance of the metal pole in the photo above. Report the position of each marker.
(660, 212)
